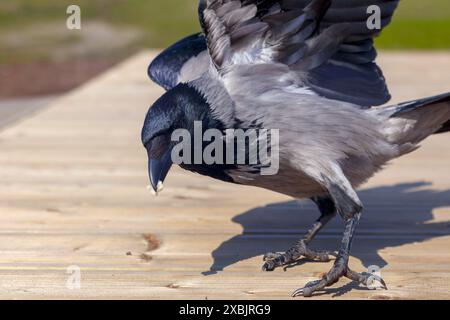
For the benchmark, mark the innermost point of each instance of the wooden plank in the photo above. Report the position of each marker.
(74, 192)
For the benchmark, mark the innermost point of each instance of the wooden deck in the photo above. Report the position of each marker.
(73, 192)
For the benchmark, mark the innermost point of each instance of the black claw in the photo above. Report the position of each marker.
(305, 292)
(308, 290)
(268, 267)
(380, 280)
(384, 284)
(298, 292)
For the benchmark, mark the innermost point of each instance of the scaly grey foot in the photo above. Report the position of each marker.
(274, 260)
(339, 270)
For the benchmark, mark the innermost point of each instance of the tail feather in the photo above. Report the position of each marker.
(406, 107)
(445, 128)
(411, 122)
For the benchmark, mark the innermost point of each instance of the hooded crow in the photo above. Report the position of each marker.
(306, 69)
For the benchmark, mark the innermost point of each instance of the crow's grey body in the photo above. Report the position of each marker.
(317, 135)
(267, 67)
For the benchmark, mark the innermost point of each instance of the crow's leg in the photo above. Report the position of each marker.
(300, 249)
(350, 208)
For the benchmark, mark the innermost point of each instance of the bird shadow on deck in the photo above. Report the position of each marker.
(394, 216)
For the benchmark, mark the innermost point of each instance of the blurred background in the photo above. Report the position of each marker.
(39, 56)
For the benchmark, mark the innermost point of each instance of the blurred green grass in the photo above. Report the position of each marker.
(418, 24)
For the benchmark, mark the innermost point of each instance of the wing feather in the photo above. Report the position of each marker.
(327, 40)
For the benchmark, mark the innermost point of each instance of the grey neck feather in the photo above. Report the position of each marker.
(220, 102)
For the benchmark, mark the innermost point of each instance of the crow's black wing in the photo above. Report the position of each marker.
(331, 42)
(351, 74)
(165, 69)
(445, 128)
(287, 34)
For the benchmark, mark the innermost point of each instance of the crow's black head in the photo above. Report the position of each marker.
(179, 108)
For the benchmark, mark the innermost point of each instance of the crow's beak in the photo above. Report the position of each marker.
(157, 171)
